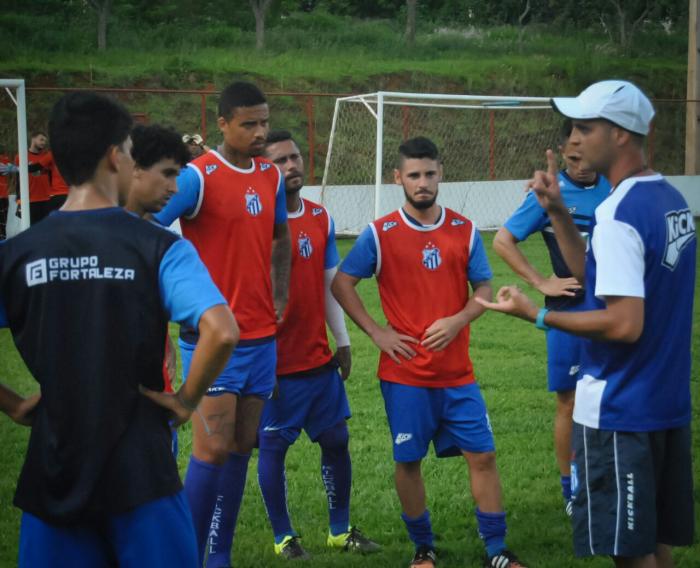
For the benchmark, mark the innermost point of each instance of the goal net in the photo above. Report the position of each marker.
(488, 144)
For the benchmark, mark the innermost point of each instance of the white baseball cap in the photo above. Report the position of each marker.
(620, 102)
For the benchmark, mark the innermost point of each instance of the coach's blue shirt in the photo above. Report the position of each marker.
(642, 245)
(581, 201)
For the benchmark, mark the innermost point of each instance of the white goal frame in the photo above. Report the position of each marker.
(20, 101)
(376, 102)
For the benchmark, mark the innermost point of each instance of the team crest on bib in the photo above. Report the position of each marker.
(304, 244)
(431, 257)
(316, 211)
(252, 202)
(264, 166)
(210, 168)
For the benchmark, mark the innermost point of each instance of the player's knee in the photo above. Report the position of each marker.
(214, 451)
(482, 462)
(335, 440)
(273, 442)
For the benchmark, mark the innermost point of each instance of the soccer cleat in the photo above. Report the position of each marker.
(353, 541)
(504, 559)
(569, 508)
(291, 549)
(424, 557)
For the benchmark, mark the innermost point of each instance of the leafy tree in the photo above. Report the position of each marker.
(102, 8)
(260, 8)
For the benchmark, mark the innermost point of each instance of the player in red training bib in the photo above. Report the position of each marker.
(425, 257)
(232, 206)
(311, 395)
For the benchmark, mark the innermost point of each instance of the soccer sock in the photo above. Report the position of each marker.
(201, 482)
(228, 503)
(336, 473)
(492, 530)
(566, 487)
(420, 531)
(273, 483)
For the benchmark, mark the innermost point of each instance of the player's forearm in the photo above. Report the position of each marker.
(10, 401)
(218, 336)
(473, 309)
(343, 289)
(570, 241)
(334, 313)
(281, 266)
(621, 321)
(506, 247)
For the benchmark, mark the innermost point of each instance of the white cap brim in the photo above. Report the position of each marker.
(571, 107)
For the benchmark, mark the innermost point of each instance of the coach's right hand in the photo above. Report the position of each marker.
(394, 343)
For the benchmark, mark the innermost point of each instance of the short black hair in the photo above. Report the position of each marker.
(419, 147)
(565, 131)
(154, 142)
(82, 128)
(239, 94)
(275, 136)
(36, 132)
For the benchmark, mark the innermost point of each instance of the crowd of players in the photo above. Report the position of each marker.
(254, 284)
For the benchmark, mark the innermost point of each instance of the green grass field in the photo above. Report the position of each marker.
(509, 357)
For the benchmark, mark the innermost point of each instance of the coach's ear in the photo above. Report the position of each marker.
(397, 177)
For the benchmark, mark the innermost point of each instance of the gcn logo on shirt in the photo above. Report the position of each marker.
(305, 247)
(680, 230)
(252, 202)
(431, 257)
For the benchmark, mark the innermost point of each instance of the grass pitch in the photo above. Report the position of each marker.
(509, 359)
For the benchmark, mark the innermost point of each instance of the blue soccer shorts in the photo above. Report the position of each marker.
(631, 490)
(563, 360)
(249, 372)
(313, 402)
(453, 418)
(158, 534)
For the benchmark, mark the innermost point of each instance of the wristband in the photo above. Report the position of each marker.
(539, 321)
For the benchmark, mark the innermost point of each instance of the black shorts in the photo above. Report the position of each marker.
(631, 490)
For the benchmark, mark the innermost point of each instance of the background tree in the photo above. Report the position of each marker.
(102, 8)
(260, 8)
(411, 21)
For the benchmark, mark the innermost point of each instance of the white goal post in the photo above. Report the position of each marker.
(488, 146)
(19, 99)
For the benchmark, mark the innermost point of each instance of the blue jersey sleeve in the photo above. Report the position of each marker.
(281, 203)
(528, 218)
(186, 289)
(479, 269)
(332, 259)
(361, 261)
(187, 199)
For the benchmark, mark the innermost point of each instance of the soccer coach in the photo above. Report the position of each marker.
(633, 494)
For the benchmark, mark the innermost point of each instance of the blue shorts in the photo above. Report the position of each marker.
(563, 360)
(249, 372)
(631, 490)
(454, 418)
(314, 402)
(158, 534)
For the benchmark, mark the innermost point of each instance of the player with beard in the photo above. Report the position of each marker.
(231, 204)
(311, 394)
(424, 362)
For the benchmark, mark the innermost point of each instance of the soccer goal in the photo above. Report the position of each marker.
(489, 145)
(16, 92)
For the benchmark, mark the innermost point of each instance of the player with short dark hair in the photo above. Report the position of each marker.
(311, 394)
(92, 289)
(582, 190)
(424, 362)
(232, 206)
(632, 472)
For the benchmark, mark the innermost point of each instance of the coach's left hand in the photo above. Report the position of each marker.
(344, 359)
(23, 414)
(511, 300)
(441, 333)
(180, 412)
